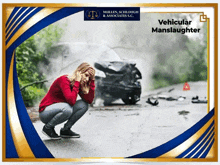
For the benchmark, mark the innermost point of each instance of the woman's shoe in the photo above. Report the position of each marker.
(50, 132)
(68, 134)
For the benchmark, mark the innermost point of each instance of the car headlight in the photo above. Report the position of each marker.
(99, 73)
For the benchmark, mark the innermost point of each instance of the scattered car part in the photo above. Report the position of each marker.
(170, 98)
(152, 103)
(171, 90)
(197, 100)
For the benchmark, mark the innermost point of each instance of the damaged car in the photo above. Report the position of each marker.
(119, 81)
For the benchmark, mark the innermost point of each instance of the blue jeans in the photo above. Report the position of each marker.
(58, 113)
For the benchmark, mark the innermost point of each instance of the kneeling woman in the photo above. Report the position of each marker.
(60, 105)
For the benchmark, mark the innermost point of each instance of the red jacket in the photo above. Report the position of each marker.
(61, 91)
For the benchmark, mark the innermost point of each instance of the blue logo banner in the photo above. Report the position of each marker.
(112, 13)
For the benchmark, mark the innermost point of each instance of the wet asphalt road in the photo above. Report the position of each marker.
(118, 130)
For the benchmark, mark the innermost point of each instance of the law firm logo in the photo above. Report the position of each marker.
(92, 14)
(111, 13)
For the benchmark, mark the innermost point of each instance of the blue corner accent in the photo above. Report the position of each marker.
(207, 150)
(200, 145)
(22, 23)
(197, 142)
(18, 20)
(204, 147)
(15, 17)
(12, 14)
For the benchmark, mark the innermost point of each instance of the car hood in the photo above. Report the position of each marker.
(113, 66)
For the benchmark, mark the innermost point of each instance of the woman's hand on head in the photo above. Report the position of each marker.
(92, 73)
(78, 76)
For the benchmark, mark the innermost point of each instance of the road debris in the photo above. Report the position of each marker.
(171, 90)
(197, 100)
(152, 103)
(183, 112)
(169, 98)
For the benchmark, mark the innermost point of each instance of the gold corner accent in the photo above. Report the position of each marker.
(13, 23)
(203, 18)
(12, 30)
